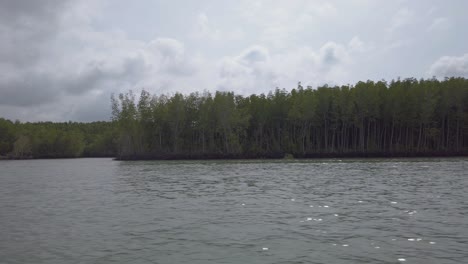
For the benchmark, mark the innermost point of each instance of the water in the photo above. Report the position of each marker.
(306, 211)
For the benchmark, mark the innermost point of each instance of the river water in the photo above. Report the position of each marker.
(261, 211)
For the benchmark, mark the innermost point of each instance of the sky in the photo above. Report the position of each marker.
(60, 60)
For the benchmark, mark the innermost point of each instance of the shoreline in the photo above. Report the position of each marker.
(298, 157)
(273, 156)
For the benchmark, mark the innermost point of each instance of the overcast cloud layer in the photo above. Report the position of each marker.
(60, 60)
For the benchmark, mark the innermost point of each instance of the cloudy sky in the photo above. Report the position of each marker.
(61, 60)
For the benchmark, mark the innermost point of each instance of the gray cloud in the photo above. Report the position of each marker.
(46, 59)
(403, 17)
(61, 59)
(254, 54)
(32, 90)
(34, 86)
(26, 30)
(101, 74)
(26, 10)
(26, 27)
(331, 54)
(96, 107)
(440, 23)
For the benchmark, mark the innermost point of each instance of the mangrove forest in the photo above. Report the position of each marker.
(409, 117)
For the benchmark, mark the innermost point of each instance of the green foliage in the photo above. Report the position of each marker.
(405, 117)
(7, 136)
(56, 140)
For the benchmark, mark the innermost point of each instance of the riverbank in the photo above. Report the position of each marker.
(212, 156)
(294, 156)
(51, 158)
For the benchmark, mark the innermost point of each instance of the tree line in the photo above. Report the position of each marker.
(56, 140)
(407, 117)
(402, 118)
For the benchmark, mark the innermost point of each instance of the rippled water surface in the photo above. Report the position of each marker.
(299, 211)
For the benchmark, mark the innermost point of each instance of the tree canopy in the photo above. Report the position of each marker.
(56, 140)
(404, 117)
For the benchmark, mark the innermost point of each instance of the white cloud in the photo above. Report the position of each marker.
(205, 30)
(247, 72)
(203, 27)
(356, 44)
(256, 69)
(168, 56)
(167, 47)
(281, 24)
(450, 66)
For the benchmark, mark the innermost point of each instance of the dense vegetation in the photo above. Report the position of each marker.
(56, 140)
(401, 118)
